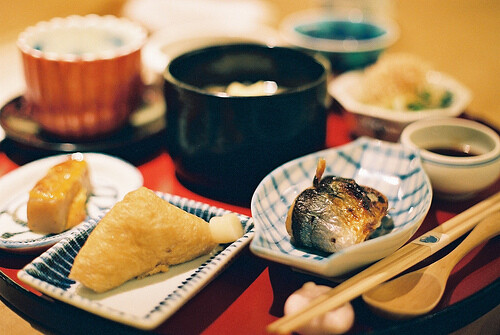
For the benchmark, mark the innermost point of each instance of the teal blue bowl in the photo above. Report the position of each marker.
(348, 44)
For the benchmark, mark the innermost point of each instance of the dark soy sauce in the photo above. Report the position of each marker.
(453, 152)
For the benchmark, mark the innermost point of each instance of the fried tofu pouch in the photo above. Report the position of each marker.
(58, 201)
(140, 235)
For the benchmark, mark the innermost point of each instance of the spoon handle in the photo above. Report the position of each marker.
(459, 225)
(485, 230)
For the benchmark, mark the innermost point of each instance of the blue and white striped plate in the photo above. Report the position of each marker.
(141, 303)
(392, 169)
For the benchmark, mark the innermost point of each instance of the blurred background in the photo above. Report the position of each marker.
(459, 37)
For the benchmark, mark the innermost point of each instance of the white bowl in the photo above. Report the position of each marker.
(158, 14)
(391, 168)
(387, 124)
(166, 44)
(456, 177)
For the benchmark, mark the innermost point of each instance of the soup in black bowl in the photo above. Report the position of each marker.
(224, 141)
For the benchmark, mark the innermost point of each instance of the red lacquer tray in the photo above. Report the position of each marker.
(251, 292)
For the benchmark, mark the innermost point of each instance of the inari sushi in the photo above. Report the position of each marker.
(141, 235)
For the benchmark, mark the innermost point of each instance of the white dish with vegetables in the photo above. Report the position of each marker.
(442, 96)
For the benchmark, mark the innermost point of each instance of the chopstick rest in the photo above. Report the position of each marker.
(407, 256)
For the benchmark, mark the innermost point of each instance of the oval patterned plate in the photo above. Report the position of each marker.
(392, 169)
(111, 179)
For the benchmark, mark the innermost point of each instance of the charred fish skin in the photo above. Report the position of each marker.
(314, 225)
(335, 213)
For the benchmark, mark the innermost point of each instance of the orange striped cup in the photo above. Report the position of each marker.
(82, 73)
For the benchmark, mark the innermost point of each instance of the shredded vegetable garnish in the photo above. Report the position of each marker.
(400, 82)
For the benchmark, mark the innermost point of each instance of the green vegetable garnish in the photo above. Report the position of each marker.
(416, 106)
(425, 96)
(424, 101)
(446, 99)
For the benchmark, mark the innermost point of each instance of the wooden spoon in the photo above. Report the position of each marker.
(418, 292)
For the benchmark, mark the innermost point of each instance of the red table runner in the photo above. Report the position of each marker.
(250, 293)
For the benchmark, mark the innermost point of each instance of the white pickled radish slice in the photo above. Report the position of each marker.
(226, 228)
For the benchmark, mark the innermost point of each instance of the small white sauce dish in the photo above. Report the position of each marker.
(461, 157)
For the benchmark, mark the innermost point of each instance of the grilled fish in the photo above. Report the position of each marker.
(334, 213)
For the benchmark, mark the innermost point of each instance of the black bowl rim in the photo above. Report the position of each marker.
(317, 58)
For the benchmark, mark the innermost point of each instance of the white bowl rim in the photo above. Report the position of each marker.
(426, 155)
(340, 89)
(157, 60)
(136, 31)
(290, 35)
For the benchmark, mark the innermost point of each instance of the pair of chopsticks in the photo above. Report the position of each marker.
(404, 258)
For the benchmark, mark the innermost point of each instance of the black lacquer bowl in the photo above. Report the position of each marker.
(224, 144)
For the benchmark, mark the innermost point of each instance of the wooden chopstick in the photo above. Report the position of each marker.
(405, 257)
